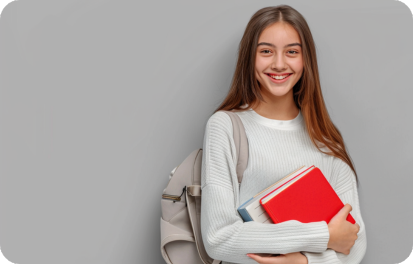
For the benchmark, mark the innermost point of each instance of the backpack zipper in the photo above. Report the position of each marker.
(174, 197)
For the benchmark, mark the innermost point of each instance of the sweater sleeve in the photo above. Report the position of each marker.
(346, 189)
(226, 237)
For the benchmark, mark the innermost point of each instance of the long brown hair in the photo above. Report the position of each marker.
(308, 97)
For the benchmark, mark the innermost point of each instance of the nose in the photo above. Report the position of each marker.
(278, 63)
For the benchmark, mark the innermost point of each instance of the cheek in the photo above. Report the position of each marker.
(258, 69)
(298, 66)
(261, 63)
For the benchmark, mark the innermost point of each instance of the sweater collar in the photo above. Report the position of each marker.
(292, 124)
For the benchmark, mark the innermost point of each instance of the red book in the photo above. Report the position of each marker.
(307, 198)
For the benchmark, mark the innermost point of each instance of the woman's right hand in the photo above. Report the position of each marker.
(343, 234)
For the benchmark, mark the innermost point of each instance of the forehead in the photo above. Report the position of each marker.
(281, 33)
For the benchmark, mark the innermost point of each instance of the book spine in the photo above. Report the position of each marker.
(245, 215)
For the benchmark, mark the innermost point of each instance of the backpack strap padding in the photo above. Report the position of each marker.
(194, 210)
(193, 192)
(241, 143)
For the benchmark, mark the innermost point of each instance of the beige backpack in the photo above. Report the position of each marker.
(181, 240)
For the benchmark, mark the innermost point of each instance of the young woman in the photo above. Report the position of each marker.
(276, 92)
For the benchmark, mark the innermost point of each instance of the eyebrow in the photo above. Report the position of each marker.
(272, 45)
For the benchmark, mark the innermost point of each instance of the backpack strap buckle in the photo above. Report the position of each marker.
(194, 190)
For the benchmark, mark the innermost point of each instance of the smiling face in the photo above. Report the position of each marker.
(278, 53)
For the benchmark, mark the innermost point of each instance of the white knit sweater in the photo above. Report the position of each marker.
(276, 148)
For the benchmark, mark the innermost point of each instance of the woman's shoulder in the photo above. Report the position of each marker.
(220, 122)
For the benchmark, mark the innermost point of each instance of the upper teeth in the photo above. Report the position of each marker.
(279, 77)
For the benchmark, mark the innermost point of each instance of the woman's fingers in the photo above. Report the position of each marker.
(343, 213)
(342, 233)
(358, 227)
(289, 258)
(265, 260)
(255, 257)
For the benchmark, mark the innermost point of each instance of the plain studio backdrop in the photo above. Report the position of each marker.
(100, 100)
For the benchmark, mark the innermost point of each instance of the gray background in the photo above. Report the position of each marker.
(100, 100)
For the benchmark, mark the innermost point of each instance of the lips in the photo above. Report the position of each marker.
(278, 74)
(283, 80)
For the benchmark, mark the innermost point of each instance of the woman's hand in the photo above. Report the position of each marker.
(343, 234)
(290, 258)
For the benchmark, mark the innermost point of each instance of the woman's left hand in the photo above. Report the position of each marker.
(290, 258)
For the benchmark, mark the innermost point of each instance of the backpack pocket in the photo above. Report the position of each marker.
(177, 237)
(178, 245)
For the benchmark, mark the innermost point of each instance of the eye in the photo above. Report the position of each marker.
(264, 51)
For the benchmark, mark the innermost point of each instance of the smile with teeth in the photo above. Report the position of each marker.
(279, 77)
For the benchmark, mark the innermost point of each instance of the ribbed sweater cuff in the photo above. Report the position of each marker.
(327, 257)
(320, 231)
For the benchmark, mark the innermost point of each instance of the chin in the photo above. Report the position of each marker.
(279, 92)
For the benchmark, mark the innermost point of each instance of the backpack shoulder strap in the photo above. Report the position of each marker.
(241, 143)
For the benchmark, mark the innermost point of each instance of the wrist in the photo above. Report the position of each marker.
(330, 238)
